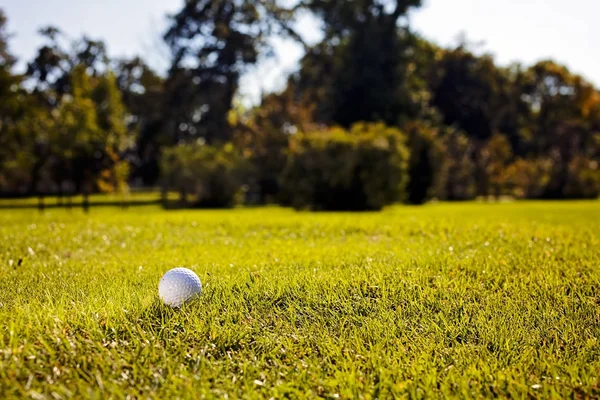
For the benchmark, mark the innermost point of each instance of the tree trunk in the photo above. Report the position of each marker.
(183, 198)
(124, 199)
(164, 194)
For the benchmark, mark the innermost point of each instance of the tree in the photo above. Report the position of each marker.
(457, 177)
(79, 141)
(6, 58)
(111, 114)
(263, 134)
(493, 158)
(213, 43)
(16, 145)
(528, 178)
(426, 160)
(213, 175)
(88, 135)
(85, 135)
(148, 111)
(51, 68)
(142, 91)
(565, 115)
(362, 70)
(470, 92)
(583, 178)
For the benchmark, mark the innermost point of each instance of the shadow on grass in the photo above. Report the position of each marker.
(79, 205)
(158, 317)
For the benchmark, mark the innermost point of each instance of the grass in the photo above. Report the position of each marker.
(463, 300)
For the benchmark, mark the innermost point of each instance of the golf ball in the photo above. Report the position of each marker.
(178, 286)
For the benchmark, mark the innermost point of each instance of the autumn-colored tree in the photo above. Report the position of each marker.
(528, 178)
(492, 160)
(457, 177)
(263, 134)
(565, 115)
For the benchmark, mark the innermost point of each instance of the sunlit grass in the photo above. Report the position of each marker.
(466, 300)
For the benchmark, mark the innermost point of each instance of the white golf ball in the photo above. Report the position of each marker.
(178, 286)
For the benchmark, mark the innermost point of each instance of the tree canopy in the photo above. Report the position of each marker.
(78, 121)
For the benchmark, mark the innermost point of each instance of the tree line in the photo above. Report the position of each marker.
(374, 114)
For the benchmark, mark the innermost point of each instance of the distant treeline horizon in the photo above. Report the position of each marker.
(374, 115)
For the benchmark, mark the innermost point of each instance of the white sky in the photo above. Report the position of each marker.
(513, 30)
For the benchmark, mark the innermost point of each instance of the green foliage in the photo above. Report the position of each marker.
(15, 172)
(7, 60)
(51, 70)
(584, 179)
(362, 70)
(77, 121)
(263, 135)
(440, 301)
(90, 132)
(143, 94)
(457, 177)
(110, 111)
(492, 161)
(365, 168)
(528, 178)
(212, 175)
(15, 161)
(425, 163)
(470, 92)
(213, 42)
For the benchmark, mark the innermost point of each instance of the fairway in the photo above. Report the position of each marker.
(464, 300)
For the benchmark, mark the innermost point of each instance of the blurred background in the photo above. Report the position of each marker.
(314, 104)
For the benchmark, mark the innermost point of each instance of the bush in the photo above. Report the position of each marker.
(365, 168)
(532, 179)
(492, 160)
(425, 163)
(528, 178)
(457, 177)
(583, 179)
(211, 175)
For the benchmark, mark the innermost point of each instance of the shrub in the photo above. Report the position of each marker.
(425, 163)
(543, 178)
(457, 177)
(365, 168)
(212, 175)
(528, 178)
(492, 159)
(583, 179)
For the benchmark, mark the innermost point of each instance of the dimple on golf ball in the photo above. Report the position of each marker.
(179, 286)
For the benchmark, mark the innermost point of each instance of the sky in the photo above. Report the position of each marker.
(512, 30)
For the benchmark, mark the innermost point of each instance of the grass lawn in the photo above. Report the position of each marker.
(465, 300)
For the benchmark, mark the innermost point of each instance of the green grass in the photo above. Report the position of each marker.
(465, 300)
